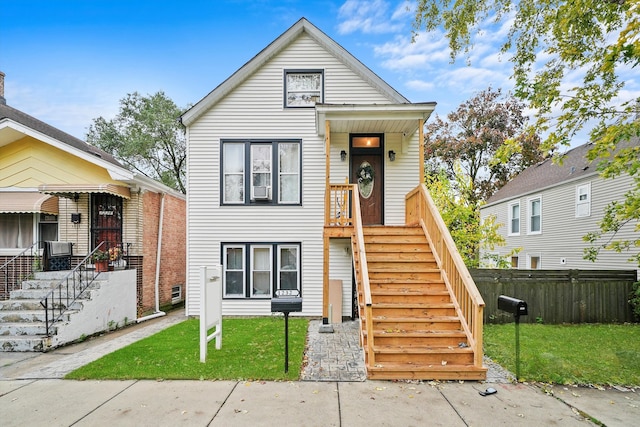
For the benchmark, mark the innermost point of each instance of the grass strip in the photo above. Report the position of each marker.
(598, 354)
(252, 349)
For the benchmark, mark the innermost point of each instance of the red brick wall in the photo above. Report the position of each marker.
(173, 257)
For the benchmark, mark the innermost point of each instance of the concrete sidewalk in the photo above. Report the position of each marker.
(32, 393)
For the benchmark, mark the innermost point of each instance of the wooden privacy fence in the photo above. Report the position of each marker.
(558, 296)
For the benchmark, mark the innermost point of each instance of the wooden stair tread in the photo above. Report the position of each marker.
(420, 349)
(404, 281)
(393, 366)
(421, 292)
(416, 334)
(401, 305)
(422, 319)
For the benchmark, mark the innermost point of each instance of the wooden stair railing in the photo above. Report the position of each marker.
(362, 277)
(422, 211)
(420, 312)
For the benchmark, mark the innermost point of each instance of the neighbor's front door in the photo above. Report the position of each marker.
(367, 173)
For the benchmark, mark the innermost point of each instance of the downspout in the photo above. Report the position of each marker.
(157, 313)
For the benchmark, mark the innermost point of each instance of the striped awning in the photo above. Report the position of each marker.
(19, 202)
(69, 190)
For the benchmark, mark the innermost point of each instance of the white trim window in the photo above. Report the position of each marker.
(583, 200)
(269, 172)
(258, 270)
(514, 219)
(233, 264)
(535, 215)
(261, 271)
(534, 261)
(303, 88)
(288, 267)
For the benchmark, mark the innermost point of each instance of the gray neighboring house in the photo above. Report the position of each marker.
(547, 209)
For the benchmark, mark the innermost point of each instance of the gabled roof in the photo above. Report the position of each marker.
(8, 113)
(548, 173)
(300, 27)
(14, 125)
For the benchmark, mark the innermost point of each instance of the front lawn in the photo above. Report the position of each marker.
(569, 354)
(252, 349)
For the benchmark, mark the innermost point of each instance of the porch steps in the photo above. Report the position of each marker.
(417, 333)
(22, 318)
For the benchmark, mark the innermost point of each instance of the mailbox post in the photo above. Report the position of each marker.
(518, 308)
(286, 302)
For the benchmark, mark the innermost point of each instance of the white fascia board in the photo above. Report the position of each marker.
(371, 112)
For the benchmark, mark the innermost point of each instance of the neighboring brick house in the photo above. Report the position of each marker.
(55, 187)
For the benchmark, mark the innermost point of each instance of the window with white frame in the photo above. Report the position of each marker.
(234, 271)
(534, 262)
(258, 270)
(303, 88)
(583, 200)
(261, 172)
(514, 219)
(535, 215)
(514, 261)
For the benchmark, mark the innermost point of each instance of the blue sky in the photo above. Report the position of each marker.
(70, 61)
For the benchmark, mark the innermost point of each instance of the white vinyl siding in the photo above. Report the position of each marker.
(258, 102)
(561, 245)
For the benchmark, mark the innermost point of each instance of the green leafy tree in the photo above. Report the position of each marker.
(147, 137)
(472, 137)
(551, 43)
(461, 215)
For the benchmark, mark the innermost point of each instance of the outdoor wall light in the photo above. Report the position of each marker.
(343, 155)
(392, 155)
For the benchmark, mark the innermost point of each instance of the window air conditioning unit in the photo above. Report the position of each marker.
(261, 192)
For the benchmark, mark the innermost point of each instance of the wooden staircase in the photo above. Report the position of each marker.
(417, 331)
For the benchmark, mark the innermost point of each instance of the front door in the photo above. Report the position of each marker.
(106, 220)
(367, 173)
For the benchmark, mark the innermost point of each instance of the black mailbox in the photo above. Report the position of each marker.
(515, 306)
(286, 304)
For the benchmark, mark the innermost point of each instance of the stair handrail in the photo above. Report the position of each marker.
(78, 281)
(421, 210)
(6, 267)
(358, 237)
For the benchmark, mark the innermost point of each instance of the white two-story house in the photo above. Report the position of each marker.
(297, 162)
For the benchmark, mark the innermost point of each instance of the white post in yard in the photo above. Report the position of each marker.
(210, 308)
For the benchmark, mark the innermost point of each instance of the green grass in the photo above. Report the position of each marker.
(252, 349)
(569, 354)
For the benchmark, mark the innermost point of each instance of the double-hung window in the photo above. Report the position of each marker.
(258, 270)
(583, 200)
(261, 172)
(514, 219)
(535, 215)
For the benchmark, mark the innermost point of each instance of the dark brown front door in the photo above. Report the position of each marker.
(367, 172)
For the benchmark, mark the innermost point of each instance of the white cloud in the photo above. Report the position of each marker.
(420, 85)
(369, 17)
